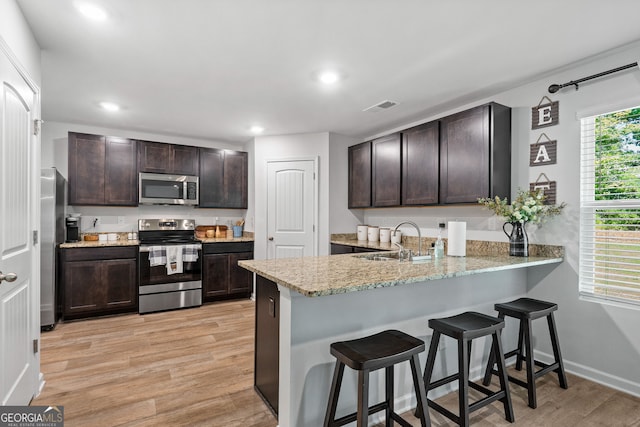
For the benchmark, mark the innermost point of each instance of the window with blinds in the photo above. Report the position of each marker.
(610, 207)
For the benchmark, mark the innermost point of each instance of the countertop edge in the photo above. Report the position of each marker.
(530, 262)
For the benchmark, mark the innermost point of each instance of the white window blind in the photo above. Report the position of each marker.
(610, 207)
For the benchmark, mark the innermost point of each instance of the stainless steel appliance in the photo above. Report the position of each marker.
(159, 290)
(164, 189)
(52, 204)
(73, 229)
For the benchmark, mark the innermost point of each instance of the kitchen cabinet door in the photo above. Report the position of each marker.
(240, 279)
(159, 157)
(121, 177)
(102, 170)
(386, 170)
(86, 169)
(98, 281)
(154, 157)
(360, 175)
(184, 160)
(420, 164)
(215, 275)
(475, 154)
(223, 179)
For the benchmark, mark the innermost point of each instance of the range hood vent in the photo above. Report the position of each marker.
(381, 106)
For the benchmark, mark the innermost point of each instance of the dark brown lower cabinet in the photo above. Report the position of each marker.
(98, 281)
(267, 342)
(222, 278)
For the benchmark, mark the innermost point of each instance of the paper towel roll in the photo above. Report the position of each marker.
(457, 238)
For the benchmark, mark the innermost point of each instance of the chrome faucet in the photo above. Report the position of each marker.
(417, 229)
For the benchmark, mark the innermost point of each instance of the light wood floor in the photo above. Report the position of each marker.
(194, 367)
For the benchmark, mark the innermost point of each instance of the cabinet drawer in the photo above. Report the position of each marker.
(227, 247)
(96, 254)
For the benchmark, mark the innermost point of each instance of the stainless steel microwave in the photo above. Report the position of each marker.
(164, 189)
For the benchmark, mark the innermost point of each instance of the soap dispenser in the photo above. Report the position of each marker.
(438, 251)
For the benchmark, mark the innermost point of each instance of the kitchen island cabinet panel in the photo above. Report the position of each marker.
(267, 342)
(98, 281)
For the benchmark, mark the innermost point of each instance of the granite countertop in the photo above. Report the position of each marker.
(126, 242)
(336, 274)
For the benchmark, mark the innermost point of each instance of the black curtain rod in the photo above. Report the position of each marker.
(554, 88)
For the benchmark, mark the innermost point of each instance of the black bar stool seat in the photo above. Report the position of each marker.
(526, 310)
(464, 328)
(381, 350)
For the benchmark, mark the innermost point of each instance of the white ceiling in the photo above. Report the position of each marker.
(211, 68)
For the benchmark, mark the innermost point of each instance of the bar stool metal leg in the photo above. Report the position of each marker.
(421, 392)
(363, 398)
(463, 381)
(531, 380)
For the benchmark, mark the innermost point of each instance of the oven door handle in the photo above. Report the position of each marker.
(146, 248)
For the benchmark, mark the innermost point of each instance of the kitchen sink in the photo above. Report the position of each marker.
(392, 256)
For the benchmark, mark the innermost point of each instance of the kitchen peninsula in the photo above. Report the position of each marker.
(305, 304)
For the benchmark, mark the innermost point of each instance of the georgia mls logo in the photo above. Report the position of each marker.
(31, 416)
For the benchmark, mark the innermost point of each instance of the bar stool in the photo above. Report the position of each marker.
(382, 350)
(464, 328)
(526, 310)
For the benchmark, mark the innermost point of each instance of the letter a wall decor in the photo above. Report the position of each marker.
(543, 152)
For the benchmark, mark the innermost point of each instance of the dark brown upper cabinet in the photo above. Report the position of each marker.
(360, 175)
(420, 164)
(475, 154)
(102, 170)
(386, 170)
(158, 157)
(223, 178)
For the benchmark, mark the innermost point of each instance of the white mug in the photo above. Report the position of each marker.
(385, 235)
(362, 232)
(112, 236)
(102, 238)
(397, 237)
(373, 233)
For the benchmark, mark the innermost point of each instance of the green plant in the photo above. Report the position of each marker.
(528, 206)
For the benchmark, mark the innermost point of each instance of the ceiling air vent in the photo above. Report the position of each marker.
(380, 106)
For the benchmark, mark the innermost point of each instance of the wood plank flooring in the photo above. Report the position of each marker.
(194, 367)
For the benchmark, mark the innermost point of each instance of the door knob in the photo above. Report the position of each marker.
(9, 277)
(271, 238)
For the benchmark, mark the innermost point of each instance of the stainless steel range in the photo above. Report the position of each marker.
(170, 265)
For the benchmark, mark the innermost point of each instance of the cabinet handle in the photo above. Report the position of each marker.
(9, 277)
(272, 307)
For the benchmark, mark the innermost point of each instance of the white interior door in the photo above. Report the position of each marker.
(291, 209)
(18, 364)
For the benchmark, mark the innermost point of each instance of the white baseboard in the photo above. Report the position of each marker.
(594, 375)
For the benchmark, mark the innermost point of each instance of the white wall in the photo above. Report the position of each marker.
(299, 146)
(120, 219)
(598, 341)
(16, 34)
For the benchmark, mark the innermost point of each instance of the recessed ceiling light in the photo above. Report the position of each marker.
(256, 129)
(91, 11)
(110, 106)
(328, 77)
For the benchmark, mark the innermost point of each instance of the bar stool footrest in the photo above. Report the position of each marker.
(354, 416)
(442, 381)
